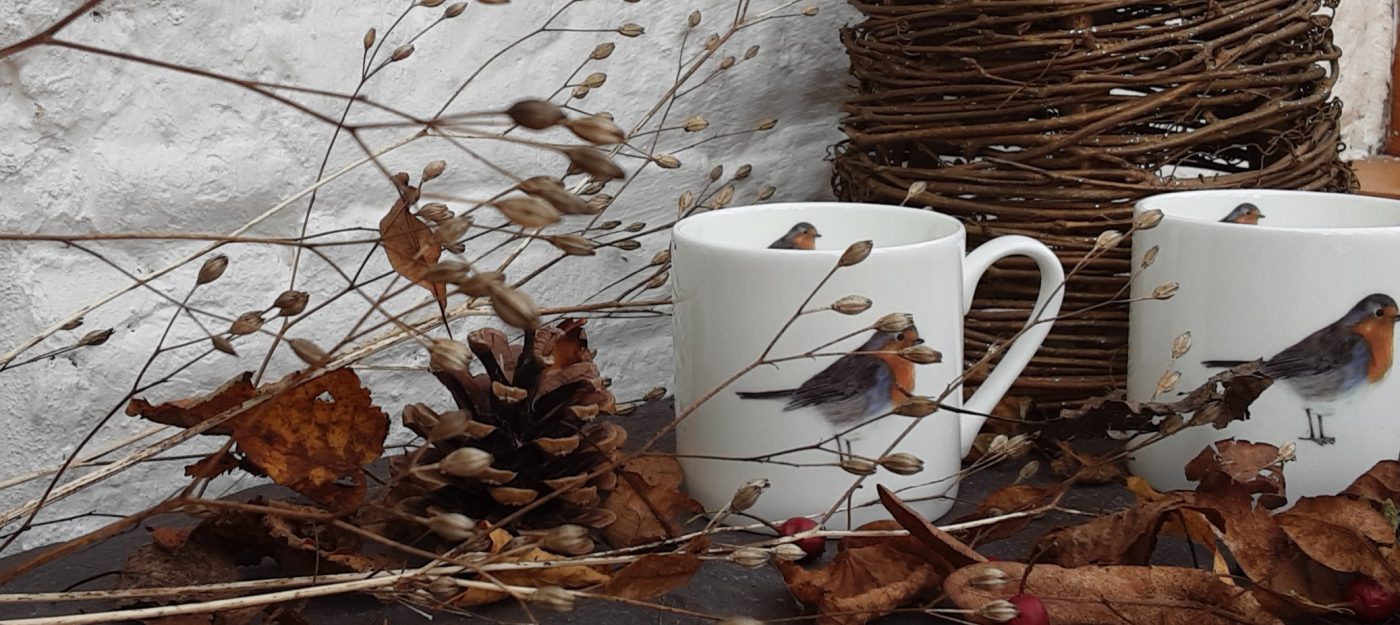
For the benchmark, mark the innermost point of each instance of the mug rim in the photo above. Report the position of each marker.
(1147, 203)
(681, 229)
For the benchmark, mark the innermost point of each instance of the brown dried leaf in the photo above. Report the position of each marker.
(1189, 523)
(410, 245)
(213, 465)
(1345, 535)
(1379, 484)
(1231, 465)
(864, 582)
(1087, 469)
(651, 514)
(1004, 500)
(192, 411)
(1223, 398)
(952, 553)
(653, 575)
(309, 444)
(1125, 537)
(299, 546)
(189, 564)
(1115, 595)
(562, 576)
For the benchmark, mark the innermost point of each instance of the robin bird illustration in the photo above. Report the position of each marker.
(1331, 363)
(1245, 213)
(802, 236)
(859, 385)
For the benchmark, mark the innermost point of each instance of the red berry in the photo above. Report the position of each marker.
(813, 546)
(1032, 610)
(1371, 601)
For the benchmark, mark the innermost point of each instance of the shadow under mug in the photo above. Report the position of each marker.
(791, 421)
(1314, 261)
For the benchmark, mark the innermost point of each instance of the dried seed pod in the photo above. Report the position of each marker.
(528, 211)
(596, 130)
(631, 30)
(480, 283)
(246, 323)
(580, 92)
(852, 305)
(552, 190)
(212, 268)
(95, 337)
(693, 20)
(449, 355)
(369, 38)
(998, 611)
(1165, 290)
(433, 170)
(766, 192)
(858, 466)
(72, 325)
(594, 162)
(751, 52)
(915, 190)
(1171, 425)
(454, 10)
(571, 540)
(748, 495)
(514, 307)
(1288, 452)
(627, 244)
(1149, 257)
(450, 231)
(743, 172)
(662, 257)
(1181, 344)
(535, 114)
(595, 80)
(659, 280)
(723, 196)
(789, 552)
(430, 3)
(443, 588)
(602, 51)
(856, 253)
(902, 463)
(291, 303)
(894, 322)
(593, 187)
(810, 11)
(452, 526)
(921, 355)
(599, 203)
(696, 123)
(447, 271)
(466, 462)
(436, 212)
(609, 224)
(716, 172)
(1168, 381)
(654, 394)
(1148, 219)
(224, 345)
(916, 407)
(667, 161)
(712, 43)
(553, 598)
(727, 62)
(573, 244)
(636, 226)
(767, 124)
(308, 352)
(749, 557)
(989, 579)
(1028, 471)
(402, 52)
(1108, 239)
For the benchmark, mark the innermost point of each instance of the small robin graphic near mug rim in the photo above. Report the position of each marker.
(802, 236)
(1350, 354)
(865, 383)
(1246, 213)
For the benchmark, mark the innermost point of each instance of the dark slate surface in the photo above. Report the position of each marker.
(719, 587)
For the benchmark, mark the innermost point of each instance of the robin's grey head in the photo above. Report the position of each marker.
(887, 341)
(1244, 213)
(1374, 306)
(803, 228)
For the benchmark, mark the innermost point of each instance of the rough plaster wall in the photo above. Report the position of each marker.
(1365, 30)
(93, 144)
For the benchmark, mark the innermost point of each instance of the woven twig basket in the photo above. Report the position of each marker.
(1049, 118)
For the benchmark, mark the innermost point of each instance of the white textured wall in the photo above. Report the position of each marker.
(95, 144)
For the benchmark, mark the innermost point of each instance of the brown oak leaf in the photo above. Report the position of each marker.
(952, 553)
(410, 245)
(1004, 500)
(1379, 484)
(1345, 535)
(1233, 464)
(1087, 469)
(189, 564)
(1115, 595)
(1125, 537)
(653, 575)
(192, 411)
(648, 502)
(865, 582)
(1223, 398)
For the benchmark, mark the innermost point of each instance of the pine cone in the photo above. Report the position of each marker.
(534, 411)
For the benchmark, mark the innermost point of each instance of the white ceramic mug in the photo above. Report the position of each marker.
(1313, 261)
(733, 295)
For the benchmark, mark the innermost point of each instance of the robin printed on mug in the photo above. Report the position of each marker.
(802, 236)
(865, 383)
(1245, 213)
(1330, 364)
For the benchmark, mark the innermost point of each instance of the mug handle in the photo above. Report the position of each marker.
(1047, 306)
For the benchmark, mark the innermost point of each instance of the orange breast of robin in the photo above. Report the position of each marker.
(1379, 334)
(805, 241)
(903, 373)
